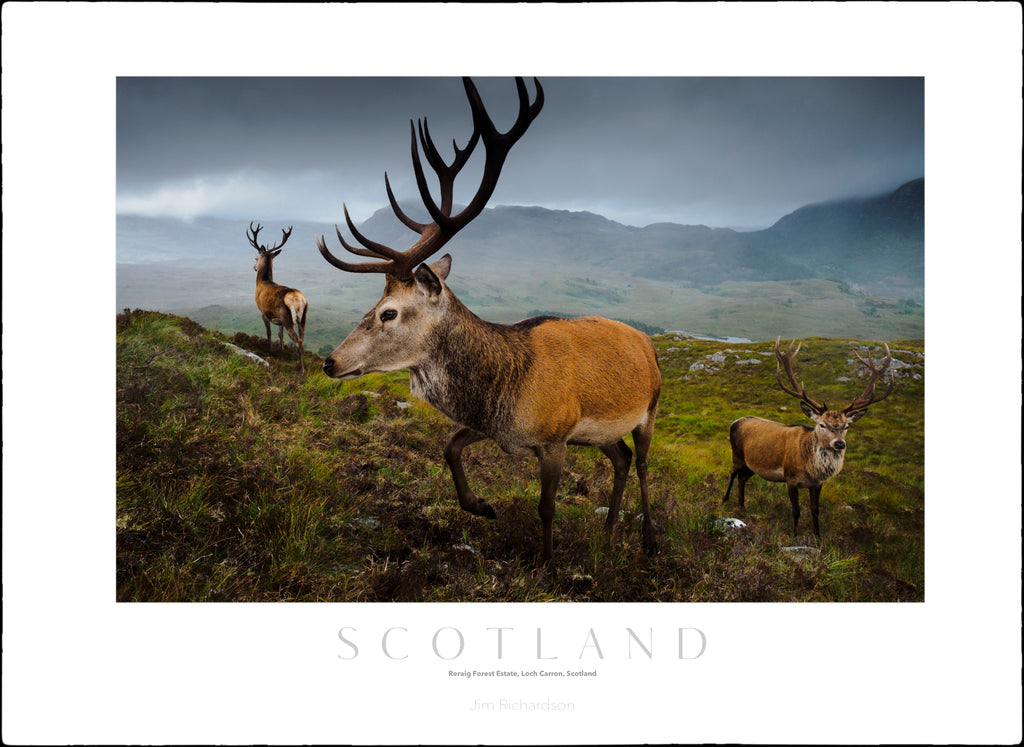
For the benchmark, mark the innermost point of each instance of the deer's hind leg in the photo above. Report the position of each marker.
(620, 456)
(744, 473)
(266, 323)
(642, 436)
(297, 339)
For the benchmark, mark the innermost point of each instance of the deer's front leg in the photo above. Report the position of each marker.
(453, 455)
(815, 499)
(551, 459)
(794, 501)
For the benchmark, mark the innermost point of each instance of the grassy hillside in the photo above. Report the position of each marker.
(238, 481)
(756, 311)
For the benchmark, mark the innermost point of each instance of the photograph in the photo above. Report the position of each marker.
(615, 270)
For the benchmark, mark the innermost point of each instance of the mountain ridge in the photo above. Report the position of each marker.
(871, 243)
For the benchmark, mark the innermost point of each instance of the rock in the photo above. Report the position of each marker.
(246, 353)
(732, 524)
(369, 522)
(802, 550)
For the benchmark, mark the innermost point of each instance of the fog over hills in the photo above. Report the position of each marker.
(875, 245)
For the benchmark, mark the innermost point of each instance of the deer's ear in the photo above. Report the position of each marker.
(809, 411)
(442, 266)
(427, 281)
(854, 416)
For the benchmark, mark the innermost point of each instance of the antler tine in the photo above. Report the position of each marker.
(444, 226)
(385, 267)
(867, 397)
(379, 250)
(785, 361)
(446, 173)
(406, 220)
(497, 145)
(252, 237)
(285, 235)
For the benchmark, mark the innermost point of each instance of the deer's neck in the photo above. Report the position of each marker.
(265, 274)
(822, 462)
(473, 371)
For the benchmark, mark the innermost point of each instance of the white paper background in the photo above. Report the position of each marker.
(77, 667)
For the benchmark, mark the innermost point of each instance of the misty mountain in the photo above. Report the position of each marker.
(875, 244)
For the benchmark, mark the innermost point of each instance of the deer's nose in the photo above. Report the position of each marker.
(328, 366)
(838, 446)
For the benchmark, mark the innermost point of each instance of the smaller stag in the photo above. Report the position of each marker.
(798, 455)
(285, 307)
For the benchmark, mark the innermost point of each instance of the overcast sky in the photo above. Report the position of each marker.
(736, 152)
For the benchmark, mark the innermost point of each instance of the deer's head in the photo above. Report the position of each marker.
(392, 334)
(831, 425)
(264, 256)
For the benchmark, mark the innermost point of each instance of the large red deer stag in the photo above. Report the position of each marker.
(533, 387)
(285, 307)
(798, 455)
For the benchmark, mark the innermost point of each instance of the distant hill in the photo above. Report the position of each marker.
(876, 243)
(873, 244)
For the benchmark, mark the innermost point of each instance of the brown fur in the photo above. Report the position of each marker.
(281, 306)
(533, 387)
(797, 455)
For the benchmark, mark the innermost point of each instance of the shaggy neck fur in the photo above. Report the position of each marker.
(823, 462)
(473, 370)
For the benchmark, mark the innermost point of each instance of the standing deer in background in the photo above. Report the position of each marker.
(533, 387)
(798, 455)
(285, 307)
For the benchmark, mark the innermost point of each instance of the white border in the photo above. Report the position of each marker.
(79, 668)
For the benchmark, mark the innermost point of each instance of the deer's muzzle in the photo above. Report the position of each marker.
(331, 370)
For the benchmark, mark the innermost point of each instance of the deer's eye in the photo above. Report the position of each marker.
(388, 315)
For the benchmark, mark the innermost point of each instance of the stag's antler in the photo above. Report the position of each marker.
(785, 361)
(868, 397)
(253, 232)
(444, 225)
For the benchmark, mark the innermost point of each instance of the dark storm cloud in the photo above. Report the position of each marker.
(719, 151)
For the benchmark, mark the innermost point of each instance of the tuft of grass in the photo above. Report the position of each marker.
(243, 482)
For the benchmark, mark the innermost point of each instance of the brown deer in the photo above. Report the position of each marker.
(533, 387)
(798, 455)
(285, 307)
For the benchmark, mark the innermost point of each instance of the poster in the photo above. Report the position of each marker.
(79, 667)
